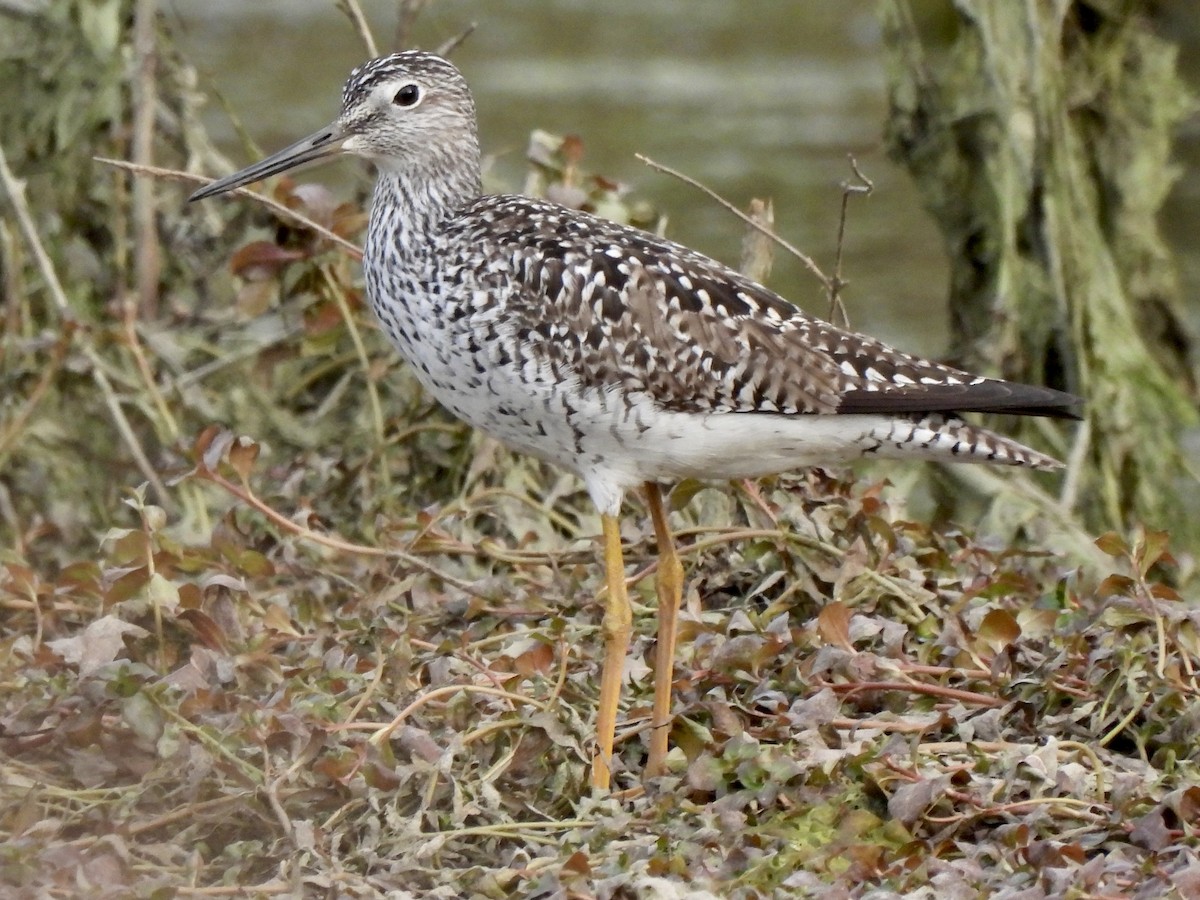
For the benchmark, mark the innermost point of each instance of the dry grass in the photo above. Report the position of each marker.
(356, 653)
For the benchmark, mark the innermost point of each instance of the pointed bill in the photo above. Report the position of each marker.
(324, 143)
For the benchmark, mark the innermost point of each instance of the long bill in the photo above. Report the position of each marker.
(324, 143)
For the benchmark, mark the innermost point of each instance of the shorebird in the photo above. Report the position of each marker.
(625, 358)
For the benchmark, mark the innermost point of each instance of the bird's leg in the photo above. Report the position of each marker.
(669, 585)
(617, 624)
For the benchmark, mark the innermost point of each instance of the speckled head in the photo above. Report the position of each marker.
(410, 113)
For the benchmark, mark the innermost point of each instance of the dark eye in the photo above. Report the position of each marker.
(407, 95)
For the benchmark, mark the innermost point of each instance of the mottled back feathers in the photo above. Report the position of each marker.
(612, 306)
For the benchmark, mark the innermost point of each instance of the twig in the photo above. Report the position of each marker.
(15, 188)
(509, 828)
(274, 205)
(148, 253)
(934, 690)
(201, 372)
(16, 424)
(448, 46)
(406, 17)
(266, 888)
(982, 811)
(193, 811)
(725, 204)
(129, 322)
(863, 187)
(354, 11)
(880, 725)
(248, 497)
(23, 9)
(364, 360)
(1068, 495)
(383, 733)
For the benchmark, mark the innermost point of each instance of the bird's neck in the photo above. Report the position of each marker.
(410, 207)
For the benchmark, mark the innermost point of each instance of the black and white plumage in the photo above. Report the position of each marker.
(629, 358)
(624, 357)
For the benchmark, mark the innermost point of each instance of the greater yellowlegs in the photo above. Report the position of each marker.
(623, 357)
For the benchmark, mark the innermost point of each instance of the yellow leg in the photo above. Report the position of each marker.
(617, 624)
(670, 593)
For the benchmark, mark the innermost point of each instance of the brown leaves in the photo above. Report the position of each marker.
(262, 260)
(998, 630)
(846, 737)
(833, 623)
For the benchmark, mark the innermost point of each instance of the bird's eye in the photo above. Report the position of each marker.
(408, 95)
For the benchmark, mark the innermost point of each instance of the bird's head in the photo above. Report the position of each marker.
(409, 112)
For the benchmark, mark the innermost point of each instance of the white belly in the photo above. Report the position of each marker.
(616, 443)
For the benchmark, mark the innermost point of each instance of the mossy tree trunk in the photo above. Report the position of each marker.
(1039, 134)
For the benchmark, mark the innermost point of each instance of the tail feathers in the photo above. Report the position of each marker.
(950, 439)
(984, 395)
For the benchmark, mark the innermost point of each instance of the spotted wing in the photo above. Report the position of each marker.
(616, 307)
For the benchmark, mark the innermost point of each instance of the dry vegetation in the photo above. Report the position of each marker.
(355, 651)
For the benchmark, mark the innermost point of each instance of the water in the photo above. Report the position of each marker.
(753, 98)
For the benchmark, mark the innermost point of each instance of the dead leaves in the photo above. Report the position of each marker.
(98, 644)
(928, 697)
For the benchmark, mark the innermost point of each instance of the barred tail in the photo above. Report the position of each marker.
(947, 438)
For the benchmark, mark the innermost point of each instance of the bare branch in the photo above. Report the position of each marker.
(407, 12)
(274, 205)
(864, 186)
(448, 46)
(352, 9)
(709, 192)
(147, 253)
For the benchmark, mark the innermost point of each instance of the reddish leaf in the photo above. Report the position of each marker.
(203, 442)
(261, 260)
(22, 579)
(1165, 592)
(321, 318)
(126, 586)
(578, 863)
(213, 448)
(537, 660)
(833, 624)
(572, 149)
(1188, 805)
(1074, 852)
(190, 596)
(242, 455)
(206, 629)
(1115, 585)
(998, 630)
(348, 220)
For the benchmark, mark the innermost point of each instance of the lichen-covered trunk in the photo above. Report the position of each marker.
(1039, 134)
